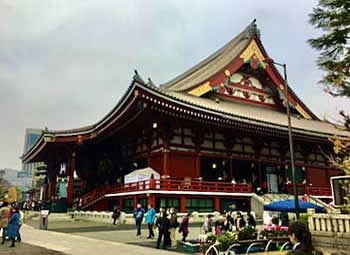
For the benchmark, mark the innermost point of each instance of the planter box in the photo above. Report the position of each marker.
(191, 247)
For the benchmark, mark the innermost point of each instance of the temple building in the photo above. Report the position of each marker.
(206, 140)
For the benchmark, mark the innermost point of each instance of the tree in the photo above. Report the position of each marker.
(4, 184)
(333, 17)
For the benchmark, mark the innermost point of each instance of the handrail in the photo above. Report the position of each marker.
(311, 190)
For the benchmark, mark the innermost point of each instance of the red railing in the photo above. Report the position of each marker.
(177, 185)
(91, 197)
(318, 191)
(310, 190)
(168, 185)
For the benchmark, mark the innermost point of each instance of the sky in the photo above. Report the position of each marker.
(65, 64)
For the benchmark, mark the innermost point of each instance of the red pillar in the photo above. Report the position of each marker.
(152, 200)
(166, 153)
(198, 166)
(217, 204)
(135, 201)
(121, 205)
(166, 161)
(260, 175)
(183, 203)
(53, 188)
(49, 189)
(327, 176)
(46, 192)
(71, 181)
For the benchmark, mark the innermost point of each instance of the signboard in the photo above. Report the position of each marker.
(63, 170)
(340, 190)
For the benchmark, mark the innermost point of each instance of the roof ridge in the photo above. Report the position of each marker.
(247, 34)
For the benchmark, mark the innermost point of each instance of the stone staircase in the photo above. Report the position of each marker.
(269, 198)
(258, 202)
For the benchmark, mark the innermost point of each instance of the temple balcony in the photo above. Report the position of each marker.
(165, 186)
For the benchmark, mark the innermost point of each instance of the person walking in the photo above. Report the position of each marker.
(13, 224)
(229, 222)
(250, 220)
(240, 222)
(284, 219)
(301, 239)
(4, 212)
(150, 218)
(207, 225)
(220, 224)
(115, 214)
(184, 227)
(163, 224)
(174, 224)
(21, 221)
(138, 215)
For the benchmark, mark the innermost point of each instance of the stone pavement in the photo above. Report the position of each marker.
(79, 245)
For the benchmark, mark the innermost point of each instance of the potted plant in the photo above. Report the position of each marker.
(225, 240)
(248, 233)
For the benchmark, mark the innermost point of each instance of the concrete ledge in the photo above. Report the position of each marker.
(106, 217)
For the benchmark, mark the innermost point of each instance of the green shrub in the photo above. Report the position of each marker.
(225, 240)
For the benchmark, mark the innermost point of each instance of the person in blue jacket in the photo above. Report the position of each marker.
(13, 224)
(150, 218)
(138, 215)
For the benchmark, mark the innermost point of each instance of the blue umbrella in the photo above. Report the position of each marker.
(289, 206)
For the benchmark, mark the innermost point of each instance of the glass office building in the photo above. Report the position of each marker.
(31, 136)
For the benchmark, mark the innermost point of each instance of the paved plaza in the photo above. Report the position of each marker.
(85, 238)
(78, 244)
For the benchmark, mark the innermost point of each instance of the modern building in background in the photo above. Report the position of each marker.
(10, 175)
(20, 179)
(31, 136)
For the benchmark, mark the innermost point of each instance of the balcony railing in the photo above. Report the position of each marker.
(182, 185)
(318, 191)
(166, 185)
(310, 190)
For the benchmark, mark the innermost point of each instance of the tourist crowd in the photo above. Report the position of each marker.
(166, 221)
(11, 219)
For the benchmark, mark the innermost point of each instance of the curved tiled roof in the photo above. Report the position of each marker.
(219, 59)
(261, 115)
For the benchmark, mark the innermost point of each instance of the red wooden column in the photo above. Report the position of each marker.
(183, 203)
(71, 181)
(166, 133)
(198, 165)
(46, 192)
(198, 140)
(121, 205)
(49, 190)
(327, 176)
(166, 153)
(231, 169)
(53, 184)
(152, 200)
(135, 201)
(260, 175)
(217, 204)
